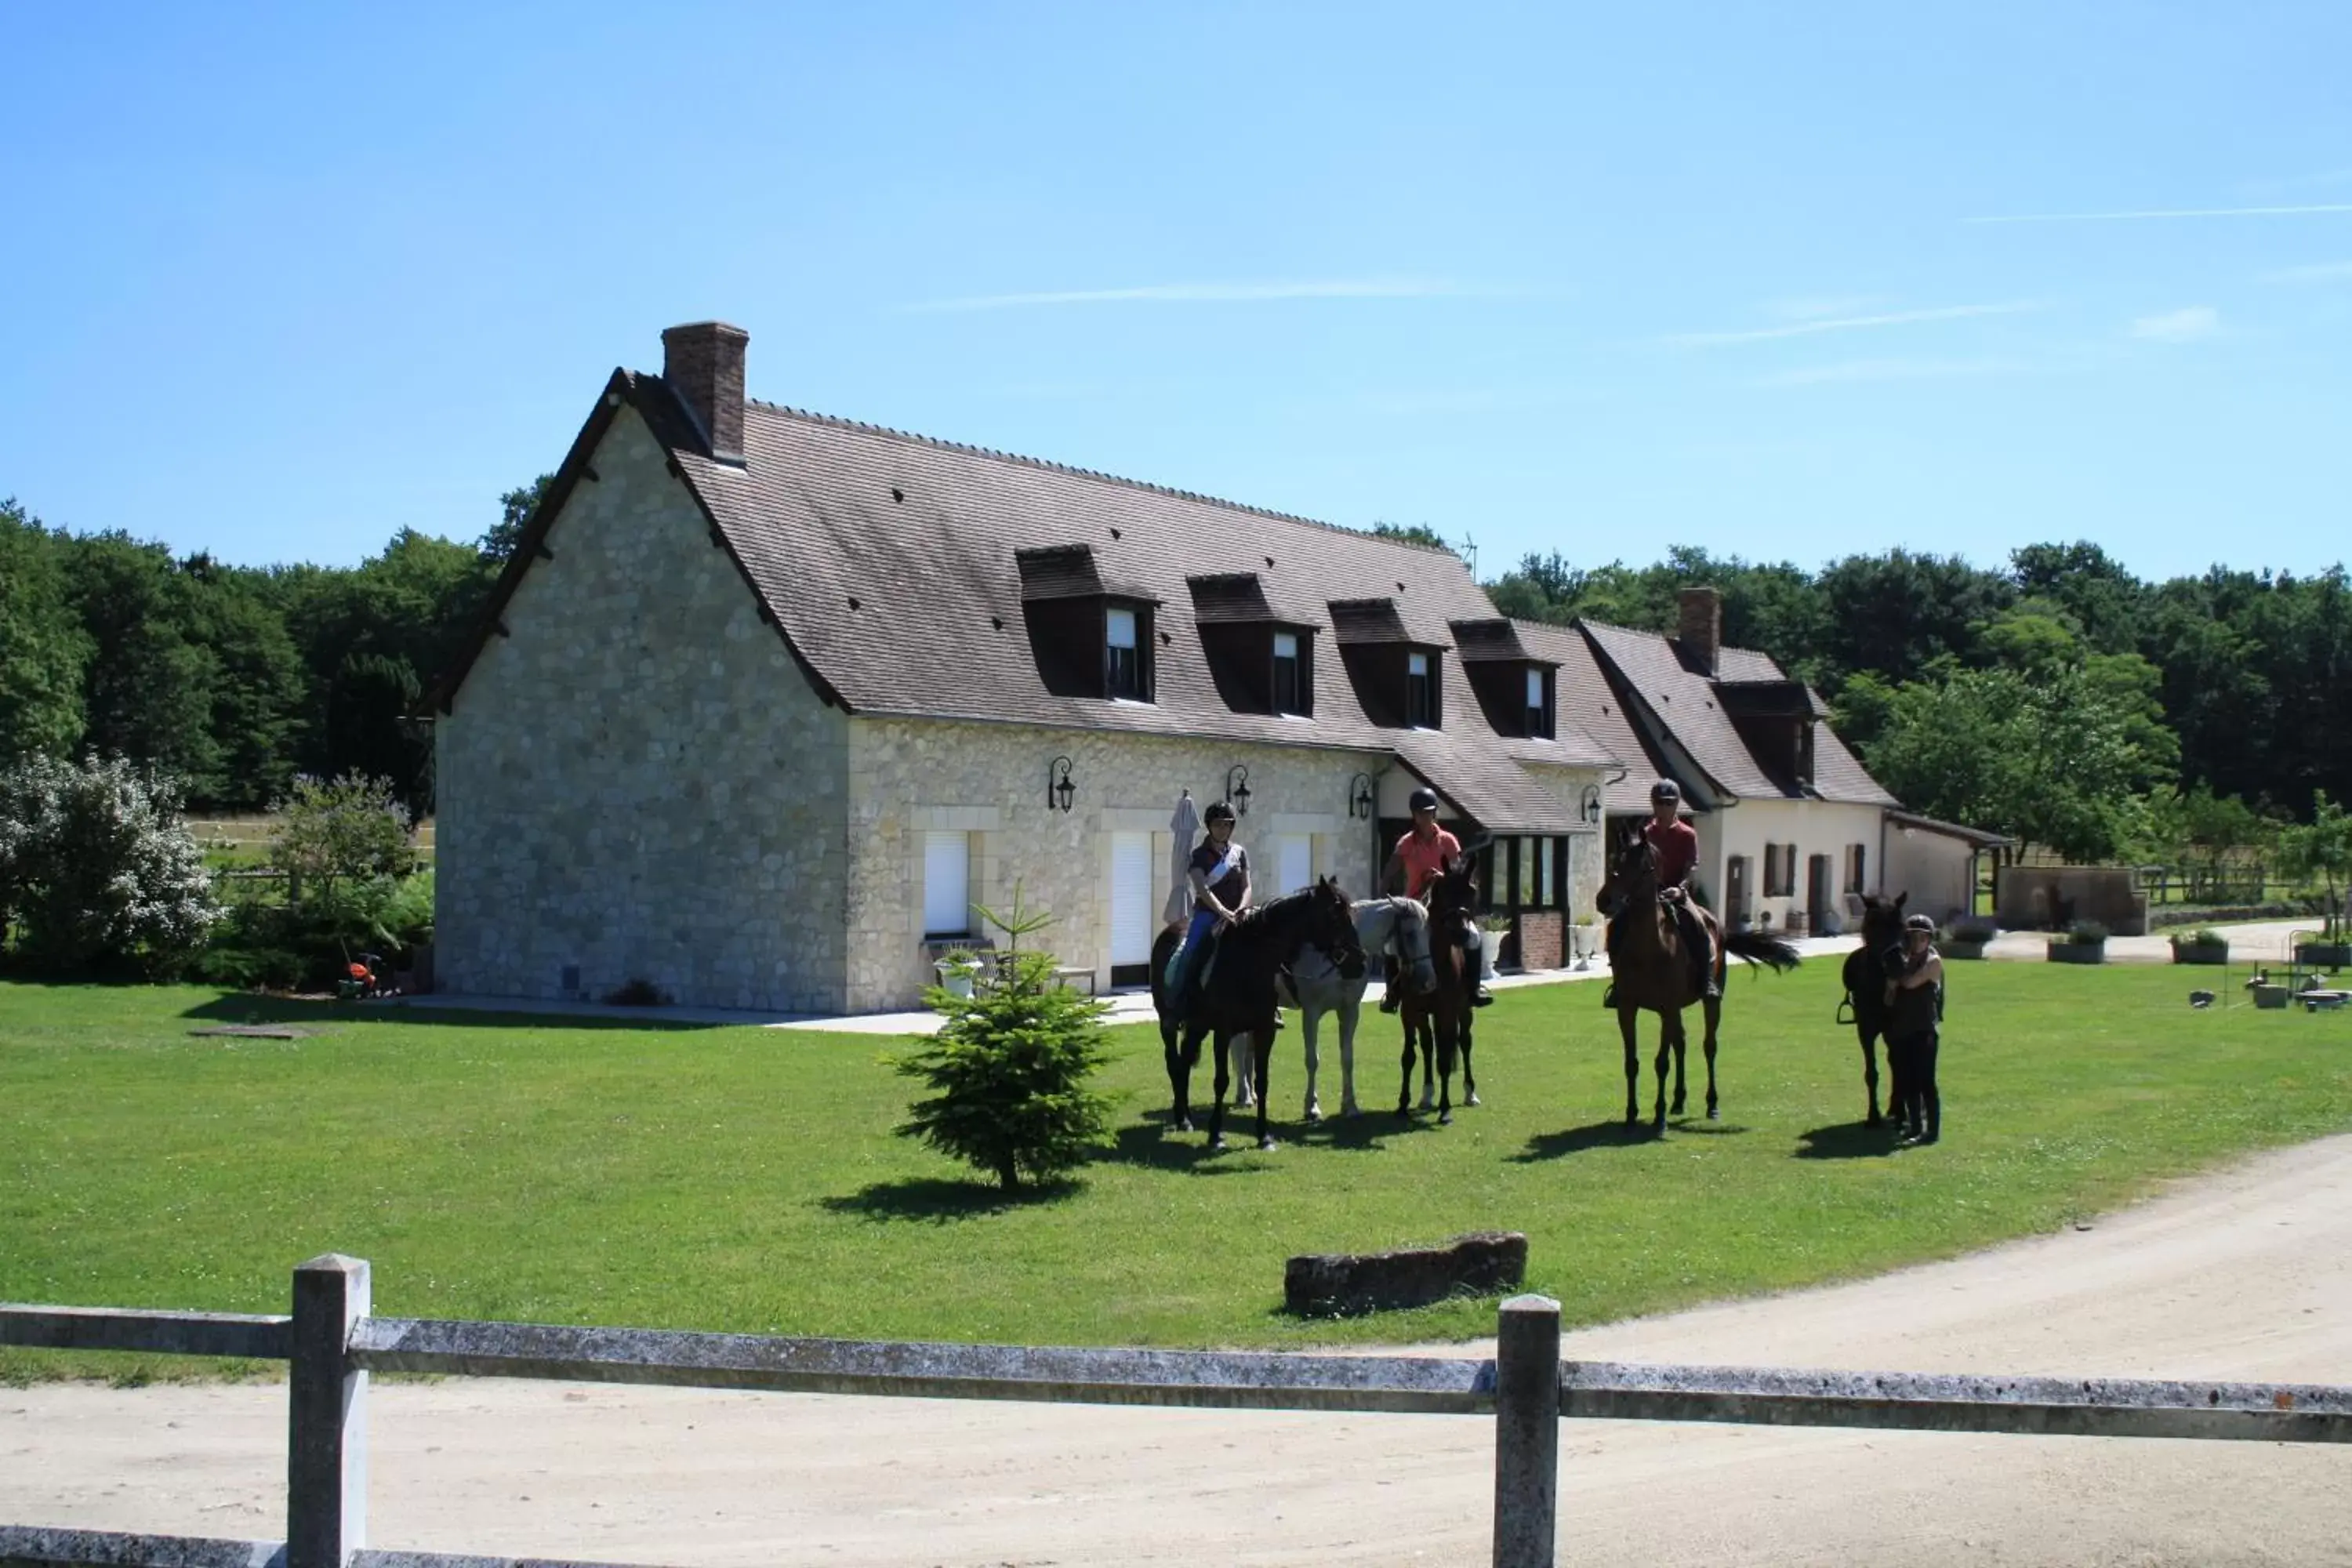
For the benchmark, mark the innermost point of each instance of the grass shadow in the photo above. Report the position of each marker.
(1154, 1145)
(1609, 1134)
(1366, 1129)
(936, 1200)
(257, 1007)
(1705, 1129)
(1845, 1141)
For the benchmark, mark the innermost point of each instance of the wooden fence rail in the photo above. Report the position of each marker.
(331, 1342)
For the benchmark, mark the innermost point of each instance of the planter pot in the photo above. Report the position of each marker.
(2078, 953)
(1487, 955)
(2272, 996)
(2200, 952)
(2324, 954)
(955, 982)
(1584, 941)
(1958, 948)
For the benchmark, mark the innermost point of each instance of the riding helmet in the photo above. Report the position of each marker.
(1666, 789)
(1218, 812)
(1920, 922)
(1424, 800)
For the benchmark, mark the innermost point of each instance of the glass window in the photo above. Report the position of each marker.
(1289, 690)
(1419, 692)
(1539, 706)
(1123, 662)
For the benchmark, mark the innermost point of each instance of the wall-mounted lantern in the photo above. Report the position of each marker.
(1060, 792)
(1360, 799)
(1591, 808)
(1237, 790)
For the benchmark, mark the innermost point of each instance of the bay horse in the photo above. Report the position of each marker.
(1437, 1023)
(1237, 994)
(1652, 971)
(1316, 986)
(1865, 1006)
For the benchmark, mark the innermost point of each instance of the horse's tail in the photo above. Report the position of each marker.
(1762, 947)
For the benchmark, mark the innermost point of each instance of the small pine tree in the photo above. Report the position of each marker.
(1008, 1072)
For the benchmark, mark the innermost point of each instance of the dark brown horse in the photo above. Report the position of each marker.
(1237, 997)
(1652, 971)
(1437, 1023)
(1865, 979)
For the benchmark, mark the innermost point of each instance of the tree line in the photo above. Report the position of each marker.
(2060, 698)
(236, 681)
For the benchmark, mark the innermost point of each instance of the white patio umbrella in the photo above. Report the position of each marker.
(1181, 827)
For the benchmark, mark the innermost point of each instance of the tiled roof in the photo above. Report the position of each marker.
(1495, 640)
(1586, 702)
(1679, 691)
(894, 565)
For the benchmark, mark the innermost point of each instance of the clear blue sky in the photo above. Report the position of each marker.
(1788, 282)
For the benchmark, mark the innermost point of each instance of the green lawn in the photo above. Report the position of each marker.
(746, 1179)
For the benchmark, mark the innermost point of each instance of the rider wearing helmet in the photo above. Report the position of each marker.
(1220, 876)
(1676, 844)
(1419, 857)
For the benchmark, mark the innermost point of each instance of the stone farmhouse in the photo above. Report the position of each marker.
(767, 704)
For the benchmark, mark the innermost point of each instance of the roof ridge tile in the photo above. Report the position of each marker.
(1074, 470)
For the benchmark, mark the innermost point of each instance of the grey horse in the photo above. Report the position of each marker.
(1399, 927)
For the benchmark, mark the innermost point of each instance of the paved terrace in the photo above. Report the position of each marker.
(2263, 942)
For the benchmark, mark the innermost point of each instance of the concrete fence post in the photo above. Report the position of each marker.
(1527, 1432)
(326, 1400)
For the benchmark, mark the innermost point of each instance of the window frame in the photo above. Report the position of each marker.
(1301, 703)
(1137, 663)
(1421, 710)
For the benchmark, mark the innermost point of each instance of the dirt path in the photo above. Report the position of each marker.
(2248, 1274)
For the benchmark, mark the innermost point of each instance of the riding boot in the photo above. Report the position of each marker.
(1481, 997)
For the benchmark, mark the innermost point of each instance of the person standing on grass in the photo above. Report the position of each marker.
(1915, 999)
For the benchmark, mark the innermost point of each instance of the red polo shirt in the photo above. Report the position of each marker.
(1677, 847)
(1424, 859)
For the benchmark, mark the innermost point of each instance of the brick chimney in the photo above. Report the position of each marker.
(1701, 625)
(703, 363)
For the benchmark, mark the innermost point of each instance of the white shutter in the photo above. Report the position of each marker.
(1295, 859)
(947, 889)
(1130, 897)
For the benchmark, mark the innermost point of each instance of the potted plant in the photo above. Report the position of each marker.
(1966, 937)
(2085, 941)
(2203, 945)
(1494, 928)
(959, 971)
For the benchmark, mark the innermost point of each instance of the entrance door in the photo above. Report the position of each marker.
(1735, 892)
(1297, 860)
(1131, 908)
(1821, 908)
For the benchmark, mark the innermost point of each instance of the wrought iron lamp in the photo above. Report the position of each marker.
(1360, 801)
(1060, 792)
(1592, 803)
(1237, 790)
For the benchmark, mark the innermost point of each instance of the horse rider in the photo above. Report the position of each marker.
(1419, 857)
(1220, 875)
(1915, 998)
(1676, 845)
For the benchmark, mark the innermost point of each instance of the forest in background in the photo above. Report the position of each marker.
(2059, 697)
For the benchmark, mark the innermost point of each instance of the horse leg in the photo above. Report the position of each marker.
(1348, 1013)
(1262, 1059)
(1670, 1035)
(1244, 1047)
(1309, 1020)
(1628, 1022)
(1432, 1033)
(1869, 1038)
(1682, 1043)
(1711, 1010)
(1221, 1046)
(1179, 1076)
(1449, 1031)
(1469, 1079)
(1413, 1025)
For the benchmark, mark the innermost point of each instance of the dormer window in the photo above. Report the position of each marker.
(1289, 689)
(1420, 691)
(1540, 703)
(1090, 638)
(1122, 656)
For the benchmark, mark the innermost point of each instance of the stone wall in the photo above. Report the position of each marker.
(637, 782)
(910, 776)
